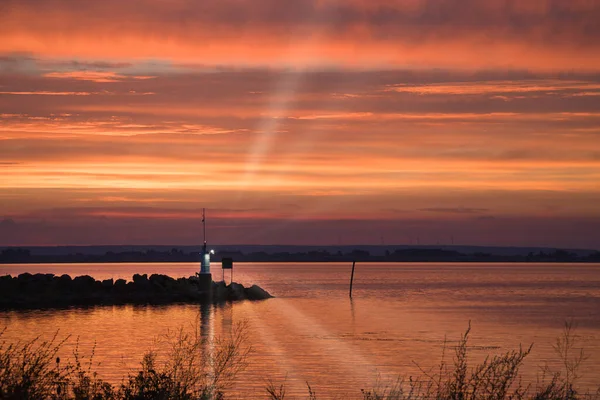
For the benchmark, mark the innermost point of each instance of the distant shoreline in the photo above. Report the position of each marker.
(415, 255)
(323, 262)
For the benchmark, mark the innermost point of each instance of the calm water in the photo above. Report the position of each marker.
(312, 332)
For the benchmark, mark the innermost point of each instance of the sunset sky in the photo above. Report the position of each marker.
(300, 122)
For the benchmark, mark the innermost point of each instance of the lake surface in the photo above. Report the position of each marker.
(400, 316)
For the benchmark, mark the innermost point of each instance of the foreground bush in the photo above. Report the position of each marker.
(496, 378)
(193, 369)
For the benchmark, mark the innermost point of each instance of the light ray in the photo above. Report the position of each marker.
(284, 94)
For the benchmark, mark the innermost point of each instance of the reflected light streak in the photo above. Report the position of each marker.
(272, 342)
(349, 359)
(341, 356)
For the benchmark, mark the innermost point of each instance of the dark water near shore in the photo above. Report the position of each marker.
(312, 332)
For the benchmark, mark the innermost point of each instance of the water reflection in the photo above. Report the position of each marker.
(313, 332)
(206, 317)
(226, 311)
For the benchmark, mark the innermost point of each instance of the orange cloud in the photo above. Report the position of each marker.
(262, 50)
(313, 33)
(94, 76)
(44, 93)
(499, 87)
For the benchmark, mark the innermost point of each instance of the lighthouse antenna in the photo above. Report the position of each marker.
(204, 225)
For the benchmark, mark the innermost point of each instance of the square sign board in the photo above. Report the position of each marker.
(227, 263)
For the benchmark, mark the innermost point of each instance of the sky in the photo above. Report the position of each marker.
(317, 122)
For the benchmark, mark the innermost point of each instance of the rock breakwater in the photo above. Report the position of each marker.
(48, 291)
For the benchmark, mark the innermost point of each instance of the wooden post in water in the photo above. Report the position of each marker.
(352, 277)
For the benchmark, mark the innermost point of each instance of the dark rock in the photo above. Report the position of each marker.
(235, 291)
(83, 284)
(43, 277)
(140, 278)
(63, 282)
(255, 292)
(24, 277)
(162, 281)
(7, 283)
(39, 282)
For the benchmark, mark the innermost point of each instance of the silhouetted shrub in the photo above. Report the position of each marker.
(31, 371)
(496, 378)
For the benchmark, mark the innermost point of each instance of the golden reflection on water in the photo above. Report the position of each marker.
(399, 317)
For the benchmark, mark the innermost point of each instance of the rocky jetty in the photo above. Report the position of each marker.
(47, 291)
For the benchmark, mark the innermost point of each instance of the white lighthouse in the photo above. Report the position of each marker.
(205, 276)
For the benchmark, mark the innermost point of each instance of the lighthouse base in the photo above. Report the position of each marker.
(205, 282)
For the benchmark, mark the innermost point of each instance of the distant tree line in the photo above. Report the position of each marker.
(17, 255)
